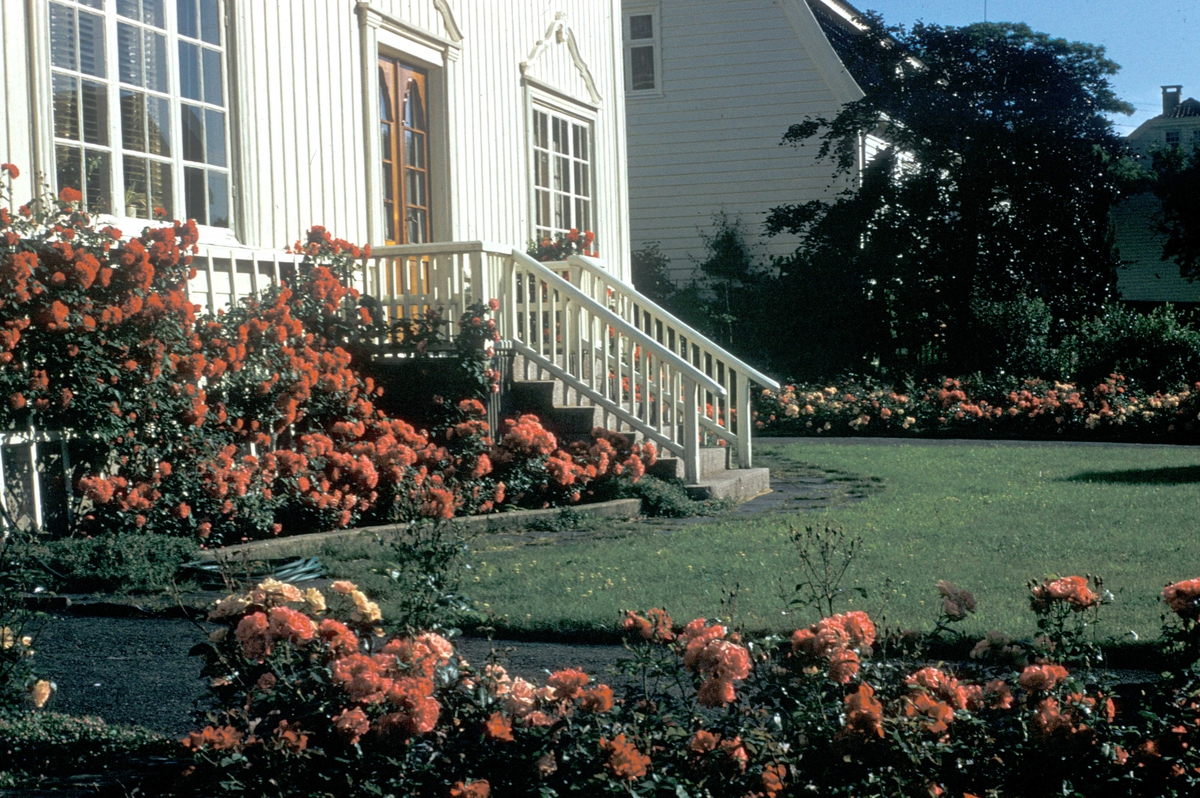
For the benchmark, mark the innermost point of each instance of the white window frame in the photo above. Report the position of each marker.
(44, 70)
(628, 44)
(538, 99)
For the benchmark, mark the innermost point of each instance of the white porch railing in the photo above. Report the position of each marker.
(609, 346)
(729, 416)
(35, 479)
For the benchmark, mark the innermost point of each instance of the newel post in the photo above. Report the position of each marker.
(745, 422)
(691, 432)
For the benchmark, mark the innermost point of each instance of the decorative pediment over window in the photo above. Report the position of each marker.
(555, 62)
(425, 23)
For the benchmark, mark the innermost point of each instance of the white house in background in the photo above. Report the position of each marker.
(1145, 278)
(445, 133)
(711, 86)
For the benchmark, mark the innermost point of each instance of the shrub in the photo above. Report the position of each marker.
(312, 701)
(38, 744)
(127, 562)
(1156, 351)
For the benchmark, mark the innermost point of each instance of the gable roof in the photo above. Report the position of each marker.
(1189, 107)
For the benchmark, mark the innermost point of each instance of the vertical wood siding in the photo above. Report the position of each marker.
(15, 124)
(735, 76)
(299, 80)
(300, 132)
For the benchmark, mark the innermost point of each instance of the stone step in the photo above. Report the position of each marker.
(739, 484)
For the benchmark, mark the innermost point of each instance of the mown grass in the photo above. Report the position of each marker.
(986, 516)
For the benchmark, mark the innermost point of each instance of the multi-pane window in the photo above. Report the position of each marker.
(562, 174)
(139, 106)
(1172, 138)
(404, 133)
(640, 49)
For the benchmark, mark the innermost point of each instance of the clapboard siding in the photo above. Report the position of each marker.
(735, 75)
(303, 143)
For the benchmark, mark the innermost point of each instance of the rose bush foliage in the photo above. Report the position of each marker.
(253, 421)
(315, 700)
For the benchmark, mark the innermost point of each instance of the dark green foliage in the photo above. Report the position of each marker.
(16, 579)
(126, 563)
(1155, 351)
(648, 267)
(668, 499)
(41, 744)
(995, 185)
(1016, 337)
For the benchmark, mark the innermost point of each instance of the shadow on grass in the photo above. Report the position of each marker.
(1176, 475)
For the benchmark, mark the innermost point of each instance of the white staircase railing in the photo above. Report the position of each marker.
(608, 345)
(729, 416)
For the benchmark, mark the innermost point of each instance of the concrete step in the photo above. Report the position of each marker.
(740, 484)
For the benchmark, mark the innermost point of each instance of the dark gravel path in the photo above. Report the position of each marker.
(137, 670)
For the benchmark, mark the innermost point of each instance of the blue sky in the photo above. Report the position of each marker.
(1156, 42)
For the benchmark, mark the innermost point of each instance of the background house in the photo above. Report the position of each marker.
(711, 86)
(1145, 279)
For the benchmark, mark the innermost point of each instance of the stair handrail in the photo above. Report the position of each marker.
(593, 267)
(640, 337)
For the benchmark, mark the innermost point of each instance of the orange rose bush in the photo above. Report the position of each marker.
(256, 421)
(314, 699)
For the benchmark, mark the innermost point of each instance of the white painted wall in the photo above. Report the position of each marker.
(305, 115)
(735, 75)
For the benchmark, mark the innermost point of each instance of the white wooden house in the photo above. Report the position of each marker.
(445, 133)
(711, 86)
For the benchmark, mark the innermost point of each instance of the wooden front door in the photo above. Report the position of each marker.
(404, 127)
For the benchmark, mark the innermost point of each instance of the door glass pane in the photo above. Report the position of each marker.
(562, 211)
(389, 221)
(416, 226)
(218, 199)
(414, 149)
(63, 41)
(137, 189)
(583, 214)
(561, 175)
(129, 54)
(188, 21)
(69, 167)
(210, 28)
(133, 120)
(66, 107)
(91, 44)
(415, 188)
(95, 113)
(541, 169)
(193, 133)
(213, 92)
(162, 191)
(414, 106)
(158, 125)
(560, 136)
(189, 71)
(98, 181)
(540, 122)
(156, 61)
(543, 208)
(214, 124)
(193, 194)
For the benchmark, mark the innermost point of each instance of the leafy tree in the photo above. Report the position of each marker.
(994, 184)
(1177, 186)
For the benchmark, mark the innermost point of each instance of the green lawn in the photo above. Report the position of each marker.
(985, 516)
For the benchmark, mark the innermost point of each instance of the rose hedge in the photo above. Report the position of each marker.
(314, 700)
(252, 422)
(1032, 408)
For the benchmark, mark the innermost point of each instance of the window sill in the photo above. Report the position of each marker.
(654, 94)
(134, 225)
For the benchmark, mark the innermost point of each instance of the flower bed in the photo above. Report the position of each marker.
(315, 700)
(253, 422)
(1036, 409)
